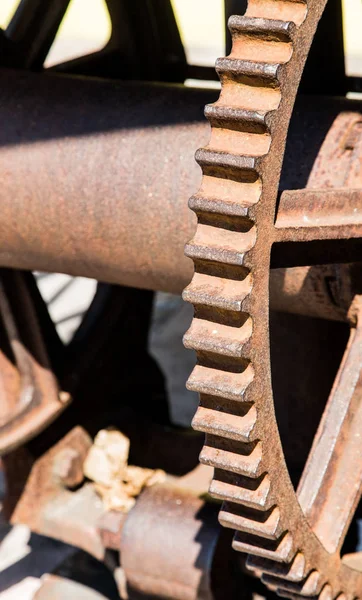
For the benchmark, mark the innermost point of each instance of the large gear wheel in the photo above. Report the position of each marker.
(293, 539)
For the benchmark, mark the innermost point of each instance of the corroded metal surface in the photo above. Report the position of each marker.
(30, 397)
(171, 547)
(127, 150)
(317, 291)
(171, 544)
(48, 507)
(104, 165)
(102, 207)
(289, 537)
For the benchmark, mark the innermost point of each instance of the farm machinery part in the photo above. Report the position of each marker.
(293, 539)
(105, 170)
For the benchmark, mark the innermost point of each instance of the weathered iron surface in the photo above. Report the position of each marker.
(48, 507)
(101, 207)
(315, 291)
(102, 166)
(171, 547)
(171, 544)
(108, 168)
(330, 488)
(291, 541)
(30, 396)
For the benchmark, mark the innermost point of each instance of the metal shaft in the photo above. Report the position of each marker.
(96, 176)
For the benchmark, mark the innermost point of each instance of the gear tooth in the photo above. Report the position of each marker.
(298, 568)
(309, 587)
(230, 460)
(242, 493)
(216, 338)
(221, 163)
(295, 596)
(326, 593)
(220, 245)
(224, 424)
(220, 383)
(265, 524)
(287, 594)
(261, 74)
(275, 582)
(252, 121)
(262, 40)
(280, 551)
(218, 292)
(268, 29)
(257, 564)
(272, 589)
(200, 204)
(313, 584)
(296, 571)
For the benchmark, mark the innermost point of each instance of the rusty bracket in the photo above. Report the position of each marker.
(30, 397)
(50, 508)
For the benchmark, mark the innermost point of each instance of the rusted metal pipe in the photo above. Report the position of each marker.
(96, 176)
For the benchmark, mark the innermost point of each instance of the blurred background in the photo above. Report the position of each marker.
(78, 36)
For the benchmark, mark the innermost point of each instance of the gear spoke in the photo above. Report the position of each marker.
(302, 217)
(330, 487)
(332, 228)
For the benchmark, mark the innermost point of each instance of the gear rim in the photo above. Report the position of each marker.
(232, 376)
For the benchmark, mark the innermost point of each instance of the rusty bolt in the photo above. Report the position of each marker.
(68, 467)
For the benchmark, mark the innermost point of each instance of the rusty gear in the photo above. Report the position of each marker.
(293, 540)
